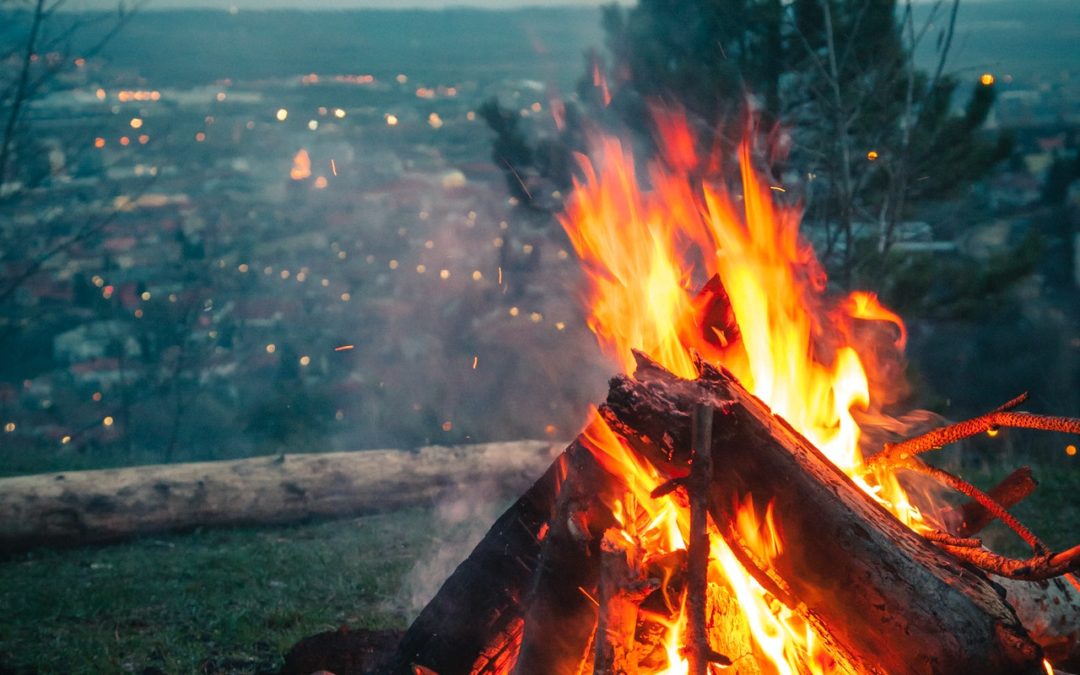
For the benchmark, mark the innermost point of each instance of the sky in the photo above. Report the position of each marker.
(370, 4)
(339, 4)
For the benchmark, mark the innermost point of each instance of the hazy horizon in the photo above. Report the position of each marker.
(324, 5)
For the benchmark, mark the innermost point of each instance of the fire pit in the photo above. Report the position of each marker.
(718, 511)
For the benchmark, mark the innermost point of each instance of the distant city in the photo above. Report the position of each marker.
(262, 256)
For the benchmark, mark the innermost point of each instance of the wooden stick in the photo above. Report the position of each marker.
(987, 502)
(972, 517)
(1001, 417)
(701, 470)
(1035, 568)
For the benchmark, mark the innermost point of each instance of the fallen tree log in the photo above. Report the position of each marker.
(89, 507)
(919, 610)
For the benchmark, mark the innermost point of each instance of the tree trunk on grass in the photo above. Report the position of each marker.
(89, 507)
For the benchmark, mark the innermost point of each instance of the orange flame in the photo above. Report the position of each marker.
(600, 82)
(764, 314)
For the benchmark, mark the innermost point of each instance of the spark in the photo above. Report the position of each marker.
(586, 594)
(333, 167)
(344, 348)
(476, 360)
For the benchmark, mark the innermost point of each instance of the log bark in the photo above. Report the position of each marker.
(1050, 611)
(91, 507)
(882, 598)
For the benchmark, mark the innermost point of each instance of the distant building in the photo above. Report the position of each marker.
(94, 340)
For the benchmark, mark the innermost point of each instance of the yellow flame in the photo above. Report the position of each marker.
(647, 252)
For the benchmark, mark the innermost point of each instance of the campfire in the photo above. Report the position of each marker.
(741, 500)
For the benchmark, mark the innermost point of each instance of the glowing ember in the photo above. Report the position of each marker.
(765, 316)
(301, 167)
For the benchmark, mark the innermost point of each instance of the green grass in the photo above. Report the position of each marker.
(220, 601)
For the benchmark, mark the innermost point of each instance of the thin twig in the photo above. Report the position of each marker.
(1035, 568)
(894, 453)
(962, 486)
(939, 537)
(973, 516)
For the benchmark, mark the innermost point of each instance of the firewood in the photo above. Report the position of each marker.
(1003, 416)
(76, 508)
(844, 556)
(623, 586)
(697, 648)
(474, 622)
(561, 605)
(971, 517)
(1050, 611)
(729, 631)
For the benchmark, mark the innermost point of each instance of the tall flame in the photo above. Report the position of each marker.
(764, 314)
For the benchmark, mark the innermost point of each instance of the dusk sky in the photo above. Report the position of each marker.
(341, 4)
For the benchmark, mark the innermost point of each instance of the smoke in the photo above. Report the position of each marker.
(463, 515)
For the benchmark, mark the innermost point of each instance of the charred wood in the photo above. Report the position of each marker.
(561, 605)
(473, 624)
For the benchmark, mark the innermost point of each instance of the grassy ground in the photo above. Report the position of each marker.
(234, 601)
(219, 601)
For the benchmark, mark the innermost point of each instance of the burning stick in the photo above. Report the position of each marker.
(972, 517)
(697, 638)
(894, 453)
(983, 499)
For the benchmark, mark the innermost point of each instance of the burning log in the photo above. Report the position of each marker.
(623, 587)
(843, 556)
(534, 562)
(552, 590)
(561, 605)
